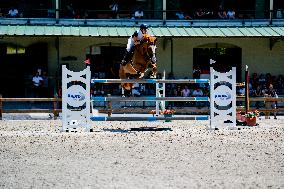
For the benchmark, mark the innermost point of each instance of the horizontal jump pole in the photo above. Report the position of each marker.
(102, 118)
(150, 81)
(151, 98)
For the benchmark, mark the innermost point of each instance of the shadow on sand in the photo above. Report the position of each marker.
(138, 129)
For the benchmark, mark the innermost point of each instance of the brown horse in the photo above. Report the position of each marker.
(144, 57)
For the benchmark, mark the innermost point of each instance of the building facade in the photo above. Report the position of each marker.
(29, 44)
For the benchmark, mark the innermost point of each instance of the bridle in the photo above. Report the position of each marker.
(151, 44)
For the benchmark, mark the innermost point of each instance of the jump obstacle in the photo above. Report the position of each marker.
(76, 100)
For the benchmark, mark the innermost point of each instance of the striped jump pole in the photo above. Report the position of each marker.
(150, 81)
(154, 118)
(162, 81)
(149, 98)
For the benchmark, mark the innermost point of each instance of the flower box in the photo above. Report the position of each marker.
(163, 112)
(240, 117)
(249, 118)
(251, 121)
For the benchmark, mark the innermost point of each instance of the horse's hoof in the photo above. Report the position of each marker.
(153, 77)
(141, 75)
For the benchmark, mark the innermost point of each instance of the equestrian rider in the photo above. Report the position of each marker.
(132, 41)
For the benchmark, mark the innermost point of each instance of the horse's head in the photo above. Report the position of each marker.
(151, 47)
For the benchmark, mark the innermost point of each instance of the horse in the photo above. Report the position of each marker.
(144, 57)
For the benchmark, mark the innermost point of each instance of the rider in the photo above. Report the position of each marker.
(132, 41)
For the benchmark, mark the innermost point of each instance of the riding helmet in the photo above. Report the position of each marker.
(143, 26)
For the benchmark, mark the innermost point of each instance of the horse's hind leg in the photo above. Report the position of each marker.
(123, 75)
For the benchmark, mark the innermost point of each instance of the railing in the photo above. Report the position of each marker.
(55, 109)
(148, 14)
(56, 102)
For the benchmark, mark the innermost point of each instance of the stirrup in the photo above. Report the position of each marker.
(123, 63)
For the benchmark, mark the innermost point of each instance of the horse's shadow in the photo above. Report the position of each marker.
(139, 129)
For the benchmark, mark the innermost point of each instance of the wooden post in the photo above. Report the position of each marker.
(1, 111)
(247, 104)
(55, 107)
(109, 107)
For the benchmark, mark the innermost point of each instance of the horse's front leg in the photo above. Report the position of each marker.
(153, 73)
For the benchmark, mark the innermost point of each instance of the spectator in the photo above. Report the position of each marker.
(221, 12)
(241, 91)
(85, 14)
(197, 93)
(254, 81)
(45, 84)
(231, 14)
(268, 79)
(180, 15)
(70, 12)
(1, 13)
(50, 13)
(13, 13)
(185, 92)
(196, 72)
(136, 89)
(200, 13)
(280, 83)
(151, 89)
(258, 93)
(96, 90)
(139, 14)
(114, 10)
(262, 80)
(37, 84)
(178, 93)
(279, 13)
(270, 92)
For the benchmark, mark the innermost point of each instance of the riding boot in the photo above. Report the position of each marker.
(127, 57)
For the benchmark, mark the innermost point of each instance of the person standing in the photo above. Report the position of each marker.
(270, 92)
(45, 85)
(258, 93)
(139, 14)
(114, 10)
(198, 93)
(13, 13)
(37, 84)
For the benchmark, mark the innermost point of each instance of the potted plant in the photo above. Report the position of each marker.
(250, 117)
(166, 112)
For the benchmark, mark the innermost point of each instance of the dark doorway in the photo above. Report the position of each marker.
(11, 76)
(17, 66)
(106, 61)
(225, 59)
(36, 56)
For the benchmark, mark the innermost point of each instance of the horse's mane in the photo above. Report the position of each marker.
(149, 39)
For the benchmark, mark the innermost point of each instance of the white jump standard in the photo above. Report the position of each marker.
(76, 99)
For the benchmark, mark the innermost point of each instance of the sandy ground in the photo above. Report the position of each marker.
(35, 154)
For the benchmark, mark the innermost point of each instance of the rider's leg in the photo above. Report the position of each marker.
(129, 51)
(127, 57)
